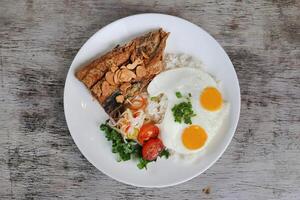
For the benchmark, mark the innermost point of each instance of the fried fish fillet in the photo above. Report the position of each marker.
(125, 71)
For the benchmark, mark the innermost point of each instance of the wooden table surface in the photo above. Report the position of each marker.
(39, 40)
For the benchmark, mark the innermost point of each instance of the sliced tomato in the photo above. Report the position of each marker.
(152, 148)
(138, 103)
(147, 131)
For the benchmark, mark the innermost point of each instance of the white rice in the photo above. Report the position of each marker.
(179, 60)
(156, 109)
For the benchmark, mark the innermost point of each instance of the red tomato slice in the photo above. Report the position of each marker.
(152, 148)
(147, 131)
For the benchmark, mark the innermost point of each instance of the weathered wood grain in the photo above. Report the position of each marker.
(39, 39)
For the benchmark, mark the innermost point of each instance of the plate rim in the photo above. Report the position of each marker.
(235, 124)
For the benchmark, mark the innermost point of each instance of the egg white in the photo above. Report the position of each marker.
(187, 81)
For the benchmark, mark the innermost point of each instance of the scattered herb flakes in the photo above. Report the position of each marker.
(142, 163)
(178, 94)
(165, 153)
(156, 99)
(183, 112)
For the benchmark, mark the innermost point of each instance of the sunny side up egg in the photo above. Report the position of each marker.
(207, 103)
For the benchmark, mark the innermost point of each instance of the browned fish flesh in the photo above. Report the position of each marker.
(125, 71)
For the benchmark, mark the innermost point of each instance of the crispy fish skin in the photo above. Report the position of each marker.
(155, 65)
(147, 50)
(81, 73)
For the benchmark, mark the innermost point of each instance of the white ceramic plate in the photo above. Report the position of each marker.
(84, 114)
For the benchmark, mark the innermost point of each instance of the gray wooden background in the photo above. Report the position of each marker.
(39, 39)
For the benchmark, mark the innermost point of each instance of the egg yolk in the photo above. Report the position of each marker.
(211, 99)
(193, 137)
